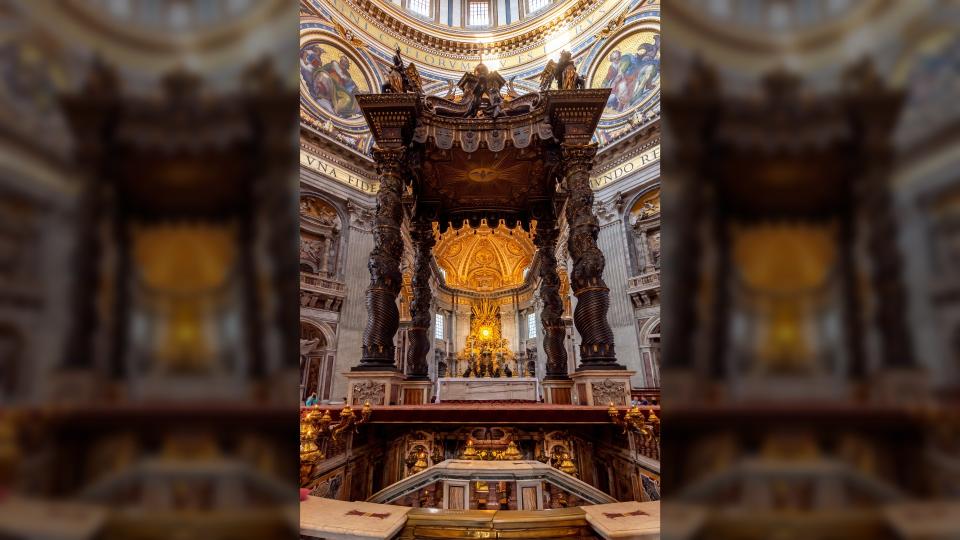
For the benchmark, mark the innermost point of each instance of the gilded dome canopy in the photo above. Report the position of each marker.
(485, 259)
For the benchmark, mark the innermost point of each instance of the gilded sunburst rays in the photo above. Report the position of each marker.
(482, 176)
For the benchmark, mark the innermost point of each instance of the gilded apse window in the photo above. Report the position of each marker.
(479, 13)
(531, 325)
(438, 330)
(420, 7)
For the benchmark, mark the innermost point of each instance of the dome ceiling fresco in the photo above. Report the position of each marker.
(347, 45)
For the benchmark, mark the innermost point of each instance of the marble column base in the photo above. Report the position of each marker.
(377, 387)
(900, 386)
(557, 392)
(415, 392)
(602, 387)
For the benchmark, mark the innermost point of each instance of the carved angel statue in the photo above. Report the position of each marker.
(349, 36)
(511, 91)
(482, 82)
(402, 78)
(564, 72)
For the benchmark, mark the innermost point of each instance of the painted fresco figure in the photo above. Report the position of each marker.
(330, 84)
(631, 76)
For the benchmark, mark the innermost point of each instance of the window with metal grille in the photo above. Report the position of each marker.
(531, 325)
(479, 14)
(438, 330)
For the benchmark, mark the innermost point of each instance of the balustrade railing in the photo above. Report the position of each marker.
(321, 284)
(643, 282)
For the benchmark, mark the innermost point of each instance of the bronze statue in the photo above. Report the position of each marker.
(564, 72)
(482, 98)
(402, 78)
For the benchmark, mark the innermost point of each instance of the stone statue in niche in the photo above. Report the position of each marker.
(654, 241)
(307, 346)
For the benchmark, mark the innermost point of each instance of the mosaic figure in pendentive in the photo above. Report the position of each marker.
(330, 82)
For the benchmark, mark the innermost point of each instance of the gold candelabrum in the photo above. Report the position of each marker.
(648, 428)
(416, 460)
(486, 352)
(510, 453)
(317, 427)
(560, 459)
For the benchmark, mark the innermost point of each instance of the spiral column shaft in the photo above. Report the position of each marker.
(586, 279)
(383, 317)
(421, 233)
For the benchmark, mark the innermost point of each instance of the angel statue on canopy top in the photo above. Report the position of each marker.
(402, 78)
(564, 72)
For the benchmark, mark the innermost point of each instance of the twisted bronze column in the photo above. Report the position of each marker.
(552, 313)
(593, 296)
(383, 317)
(421, 232)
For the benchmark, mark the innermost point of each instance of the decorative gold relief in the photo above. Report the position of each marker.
(486, 353)
(484, 259)
(647, 206)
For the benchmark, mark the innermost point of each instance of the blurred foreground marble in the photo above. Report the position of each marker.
(331, 519)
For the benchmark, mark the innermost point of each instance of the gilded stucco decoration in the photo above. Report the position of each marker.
(646, 206)
(319, 211)
(485, 259)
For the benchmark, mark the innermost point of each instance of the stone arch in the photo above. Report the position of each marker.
(317, 358)
(650, 350)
